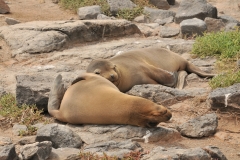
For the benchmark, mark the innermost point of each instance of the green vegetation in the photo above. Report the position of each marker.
(225, 46)
(128, 14)
(24, 114)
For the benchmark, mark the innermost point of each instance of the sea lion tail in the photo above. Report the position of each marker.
(194, 69)
(55, 96)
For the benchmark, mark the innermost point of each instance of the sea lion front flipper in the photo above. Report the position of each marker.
(181, 79)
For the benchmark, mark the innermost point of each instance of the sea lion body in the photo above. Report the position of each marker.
(93, 99)
(144, 66)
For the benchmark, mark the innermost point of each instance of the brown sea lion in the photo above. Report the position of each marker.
(145, 66)
(92, 99)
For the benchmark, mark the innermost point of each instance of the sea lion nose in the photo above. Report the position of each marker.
(112, 76)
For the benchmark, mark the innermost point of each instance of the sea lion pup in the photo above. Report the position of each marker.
(151, 65)
(92, 99)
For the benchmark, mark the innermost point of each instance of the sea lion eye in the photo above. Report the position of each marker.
(97, 72)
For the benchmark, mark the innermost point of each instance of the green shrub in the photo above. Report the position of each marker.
(24, 114)
(220, 44)
(225, 79)
(128, 14)
(225, 46)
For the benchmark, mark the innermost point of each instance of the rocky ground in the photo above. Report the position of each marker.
(78, 56)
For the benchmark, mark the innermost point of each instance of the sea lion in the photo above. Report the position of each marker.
(151, 65)
(92, 99)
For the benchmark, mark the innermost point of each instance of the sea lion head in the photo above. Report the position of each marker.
(151, 116)
(104, 68)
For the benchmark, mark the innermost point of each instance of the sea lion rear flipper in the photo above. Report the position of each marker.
(181, 79)
(56, 94)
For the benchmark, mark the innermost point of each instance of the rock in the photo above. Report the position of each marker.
(225, 99)
(27, 140)
(164, 95)
(152, 25)
(116, 5)
(141, 19)
(215, 153)
(228, 19)
(112, 148)
(200, 9)
(232, 26)
(60, 136)
(4, 8)
(171, 2)
(38, 150)
(2, 91)
(154, 14)
(46, 36)
(167, 32)
(11, 21)
(147, 30)
(164, 21)
(89, 12)
(198, 127)
(64, 153)
(5, 141)
(214, 25)
(160, 4)
(160, 153)
(102, 17)
(193, 26)
(17, 129)
(7, 152)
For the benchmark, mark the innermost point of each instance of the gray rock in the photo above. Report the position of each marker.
(192, 26)
(4, 8)
(89, 12)
(112, 148)
(160, 153)
(228, 19)
(141, 19)
(36, 151)
(214, 25)
(102, 16)
(5, 141)
(232, 26)
(8, 152)
(152, 25)
(225, 99)
(116, 5)
(165, 20)
(215, 153)
(154, 14)
(17, 129)
(160, 4)
(60, 136)
(46, 36)
(164, 95)
(64, 154)
(11, 21)
(2, 91)
(167, 32)
(198, 127)
(147, 30)
(27, 140)
(200, 9)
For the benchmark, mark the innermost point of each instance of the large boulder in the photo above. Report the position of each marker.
(4, 8)
(189, 9)
(225, 99)
(60, 136)
(116, 5)
(160, 4)
(154, 14)
(193, 26)
(198, 127)
(45, 36)
(89, 12)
